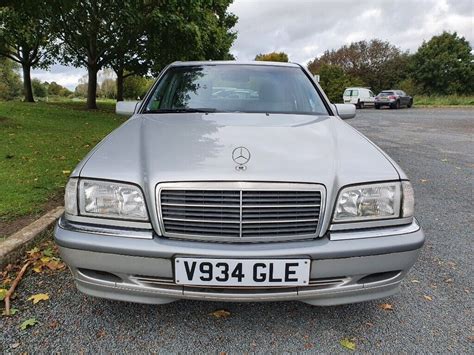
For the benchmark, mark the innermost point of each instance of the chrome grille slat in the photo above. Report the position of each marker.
(235, 211)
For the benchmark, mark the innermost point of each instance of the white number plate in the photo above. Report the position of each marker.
(242, 272)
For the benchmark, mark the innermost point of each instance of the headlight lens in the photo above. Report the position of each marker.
(408, 207)
(111, 200)
(70, 197)
(368, 202)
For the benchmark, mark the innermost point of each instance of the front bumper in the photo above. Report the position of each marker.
(345, 270)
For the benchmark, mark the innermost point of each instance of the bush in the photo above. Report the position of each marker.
(10, 83)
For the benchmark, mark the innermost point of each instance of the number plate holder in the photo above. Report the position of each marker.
(241, 272)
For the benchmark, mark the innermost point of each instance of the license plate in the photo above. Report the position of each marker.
(240, 272)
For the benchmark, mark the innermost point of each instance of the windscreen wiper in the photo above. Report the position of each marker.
(181, 110)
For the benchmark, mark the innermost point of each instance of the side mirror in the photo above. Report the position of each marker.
(127, 108)
(345, 111)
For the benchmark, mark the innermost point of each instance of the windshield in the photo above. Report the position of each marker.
(386, 93)
(235, 88)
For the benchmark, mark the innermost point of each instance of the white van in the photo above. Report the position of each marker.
(360, 97)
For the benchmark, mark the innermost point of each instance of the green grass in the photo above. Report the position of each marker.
(447, 100)
(41, 143)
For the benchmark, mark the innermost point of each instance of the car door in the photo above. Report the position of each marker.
(403, 98)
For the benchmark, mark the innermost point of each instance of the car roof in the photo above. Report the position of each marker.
(357, 87)
(234, 62)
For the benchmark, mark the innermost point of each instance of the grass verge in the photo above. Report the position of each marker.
(41, 143)
(448, 100)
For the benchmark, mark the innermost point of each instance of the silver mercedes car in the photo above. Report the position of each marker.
(238, 181)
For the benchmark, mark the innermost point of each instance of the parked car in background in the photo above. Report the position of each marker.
(393, 99)
(360, 97)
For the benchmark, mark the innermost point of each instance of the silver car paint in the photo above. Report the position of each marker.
(152, 148)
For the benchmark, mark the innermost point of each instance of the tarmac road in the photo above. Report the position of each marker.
(434, 147)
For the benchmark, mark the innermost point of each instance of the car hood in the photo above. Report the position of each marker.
(153, 148)
(186, 147)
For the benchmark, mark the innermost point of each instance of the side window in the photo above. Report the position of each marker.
(371, 94)
(355, 93)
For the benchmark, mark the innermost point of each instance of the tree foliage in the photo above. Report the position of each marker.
(380, 65)
(39, 89)
(137, 36)
(10, 83)
(25, 38)
(136, 87)
(54, 89)
(272, 57)
(444, 65)
(333, 80)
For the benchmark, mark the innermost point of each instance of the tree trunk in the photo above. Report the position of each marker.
(27, 83)
(119, 84)
(92, 88)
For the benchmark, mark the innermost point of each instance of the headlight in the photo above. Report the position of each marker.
(374, 201)
(105, 199)
(70, 197)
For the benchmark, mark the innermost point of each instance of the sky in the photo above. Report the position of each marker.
(304, 29)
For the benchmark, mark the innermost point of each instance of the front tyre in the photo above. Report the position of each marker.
(410, 104)
(377, 107)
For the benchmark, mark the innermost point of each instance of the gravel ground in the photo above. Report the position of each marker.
(434, 147)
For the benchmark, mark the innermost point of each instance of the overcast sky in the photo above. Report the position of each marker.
(304, 29)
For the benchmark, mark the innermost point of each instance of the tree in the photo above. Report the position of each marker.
(378, 64)
(108, 88)
(333, 80)
(135, 36)
(39, 89)
(444, 65)
(272, 57)
(88, 31)
(136, 86)
(189, 30)
(10, 83)
(25, 38)
(54, 89)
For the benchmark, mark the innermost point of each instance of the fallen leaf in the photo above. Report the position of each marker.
(415, 281)
(423, 180)
(66, 172)
(101, 333)
(39, 297)
(38, 268)
(428, 298)
(308, 345)
(55, 265)
(444, 159)
(33, 251)
(448, 281)
(45, 259)
(48, 252)
(13, 311)
(15, 345)
(386, 307)
(220, 313)
(28, 323)
(53, 324)
(348, 344)
(369, 324)
(3, 293)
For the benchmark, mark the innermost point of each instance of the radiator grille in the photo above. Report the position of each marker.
(240, 212)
